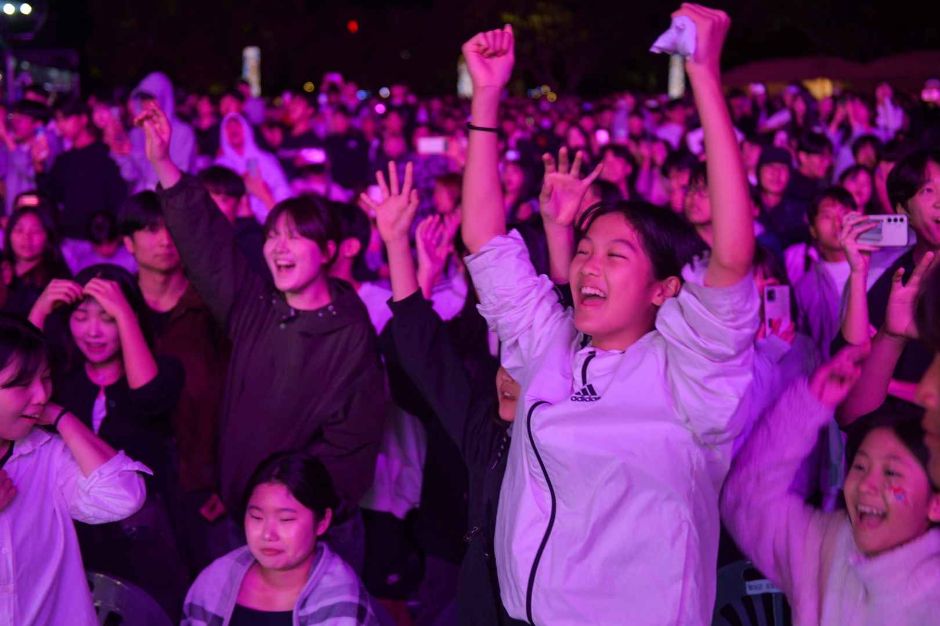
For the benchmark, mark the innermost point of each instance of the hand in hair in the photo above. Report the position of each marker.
(832, 381)
(563, 189)
(395, 212)
(899, 316)
(7, 489)
(57, 293)
(109, 295)
(490, 58)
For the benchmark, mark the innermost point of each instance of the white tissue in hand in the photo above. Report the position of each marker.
(679, 39)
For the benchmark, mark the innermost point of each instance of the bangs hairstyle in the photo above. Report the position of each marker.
(311, 217)
(909, 175)
(905, 425)
(838, 195)
(927, 313)
(140, 211)
(668, 240)
(22, 346)
(129, 288)
(305, 477)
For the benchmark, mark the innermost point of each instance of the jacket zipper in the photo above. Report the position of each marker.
(551, 517)
(584, 367)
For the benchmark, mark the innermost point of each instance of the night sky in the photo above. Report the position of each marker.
(592, 47)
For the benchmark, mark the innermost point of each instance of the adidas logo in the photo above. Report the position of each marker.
(586, 394)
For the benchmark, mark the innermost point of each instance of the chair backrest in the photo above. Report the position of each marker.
(746, 598)
(119, 603)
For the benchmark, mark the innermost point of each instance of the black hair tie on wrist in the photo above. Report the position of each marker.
(485, 129)
(55, 422)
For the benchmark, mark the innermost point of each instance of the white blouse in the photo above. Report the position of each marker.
(42, 580)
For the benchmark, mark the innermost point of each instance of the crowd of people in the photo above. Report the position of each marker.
(248, 350)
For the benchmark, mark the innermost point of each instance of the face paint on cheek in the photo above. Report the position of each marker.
(898, 494)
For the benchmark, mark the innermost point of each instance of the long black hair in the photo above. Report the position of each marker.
(51, 264)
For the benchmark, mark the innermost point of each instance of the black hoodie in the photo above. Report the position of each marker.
(297, 380)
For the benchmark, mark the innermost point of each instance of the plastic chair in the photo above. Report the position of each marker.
(118, 603)
(746, 598)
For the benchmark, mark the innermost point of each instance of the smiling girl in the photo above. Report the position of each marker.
(878, 561)
(304, 372)
(608, 512)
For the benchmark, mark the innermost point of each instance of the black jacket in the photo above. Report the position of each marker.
(468, 412)
(137, 420)
(297, 380)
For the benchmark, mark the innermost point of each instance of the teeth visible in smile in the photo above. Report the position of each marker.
(592, 291)
(870, 510)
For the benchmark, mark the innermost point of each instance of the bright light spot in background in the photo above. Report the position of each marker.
(9, 9)
(552, 96)
(384, 92)
(352, 26)
(380, 108)
(26, 9)
(362, 94)
(309, 87)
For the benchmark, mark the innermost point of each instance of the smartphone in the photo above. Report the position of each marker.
(375, 193)
(432, 145)
(777, 308)
(889, 231)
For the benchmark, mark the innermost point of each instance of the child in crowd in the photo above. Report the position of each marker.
(876, 562)
(627, 399)
(285, 575)
(50, 476)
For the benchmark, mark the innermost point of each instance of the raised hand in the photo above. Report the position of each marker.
(396, 211)
(899, 316)
(157, 131)
(434, 240)
(711, 28)
(109, 295)
(563, 188)
(857, 253)
(832, 381)
(57, 293)
(490, 56)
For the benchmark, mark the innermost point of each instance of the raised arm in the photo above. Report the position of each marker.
(771, 524)
(490, 57)
(204, 237)
(393, 217)
(563, 190)
(887, 346)
(732, 221)
(855, 326)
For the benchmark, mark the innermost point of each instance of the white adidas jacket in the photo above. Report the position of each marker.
(608, 512)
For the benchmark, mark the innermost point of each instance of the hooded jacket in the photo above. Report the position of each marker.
(333, 595)
(251, 156)
(297, 380)
(182, 141)
(608, 512)
(810, 554)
